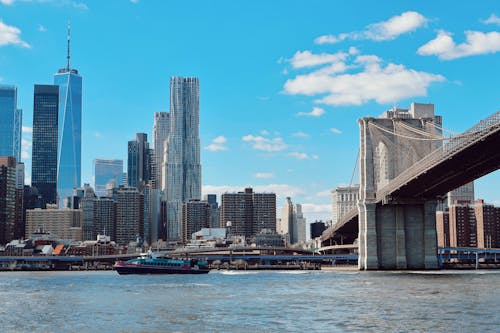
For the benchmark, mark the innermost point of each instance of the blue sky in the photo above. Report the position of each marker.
(282, 83)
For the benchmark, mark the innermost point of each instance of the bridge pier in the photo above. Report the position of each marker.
(398, 235)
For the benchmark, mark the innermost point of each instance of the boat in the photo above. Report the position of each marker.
(151, 263)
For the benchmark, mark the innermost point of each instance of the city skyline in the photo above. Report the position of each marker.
(277, 116)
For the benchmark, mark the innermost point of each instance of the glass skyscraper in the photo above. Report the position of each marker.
(107, 172)
(11, 123)
(45, 134)
(140, 159)
(182, 164)
(69, 160)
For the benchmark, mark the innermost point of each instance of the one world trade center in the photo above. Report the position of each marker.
(69, 148)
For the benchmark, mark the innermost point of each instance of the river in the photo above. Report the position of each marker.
(256, 301)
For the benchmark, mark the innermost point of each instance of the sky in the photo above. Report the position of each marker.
(282, 83)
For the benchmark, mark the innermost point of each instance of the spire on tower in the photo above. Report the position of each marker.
(69, 39)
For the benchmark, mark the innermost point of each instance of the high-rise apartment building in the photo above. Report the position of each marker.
(345, 198)
(248, 213)
(182, 160)
(161, 128)
(11, 123)
(8, 198)
(69, 159)
(293, 223)
(105, 217)
(45, 136)
(465, 224)
(140, 158)
(129, 215)
(61, 223)
(108, 173)
(195, 216)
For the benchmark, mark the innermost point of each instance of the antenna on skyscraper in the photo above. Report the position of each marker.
(69, 38)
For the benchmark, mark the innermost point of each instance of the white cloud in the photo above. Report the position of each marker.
(265, 144)
(10, 35)
(26, 143)
(326, 39)
(387, 30)
(74, 4)
(368, 80)
(395, 26)
(304, 59)
(493, 19)
(316, 208)
(263, 175)
(316, 112)
(264, 132)
(444, 47)
(335, 130)
(300, 135)
(299, 156)
(218, 144)
(27, 129)
(325, 193)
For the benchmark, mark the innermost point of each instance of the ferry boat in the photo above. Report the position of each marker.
(154, 264)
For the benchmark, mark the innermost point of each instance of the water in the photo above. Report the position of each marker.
(297, 301)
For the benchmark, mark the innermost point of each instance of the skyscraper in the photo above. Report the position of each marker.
(44, 155)
(11, 123)
(8, 198)
(107, 172)
(161, 128)
(182, 160)
(293, 223)
(69, 159)
(140, 158)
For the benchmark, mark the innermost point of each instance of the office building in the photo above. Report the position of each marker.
(345, 198)
(65, 223)
(182, 152)
(248, 213)
(108, 173)
(195, 216)
(69, 159)
(161, 128)
(214, 218)
(317, 229)
(140, 158)
(129, 215)
(8, 198)
(11, 124)
(293, 223)
(86, 204)
(153, 227)
(45, 136)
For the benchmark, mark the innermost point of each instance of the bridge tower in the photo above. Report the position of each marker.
(396, 232)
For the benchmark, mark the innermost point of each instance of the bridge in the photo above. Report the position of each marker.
(395, 219)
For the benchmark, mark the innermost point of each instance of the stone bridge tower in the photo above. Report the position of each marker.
(394, 232)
